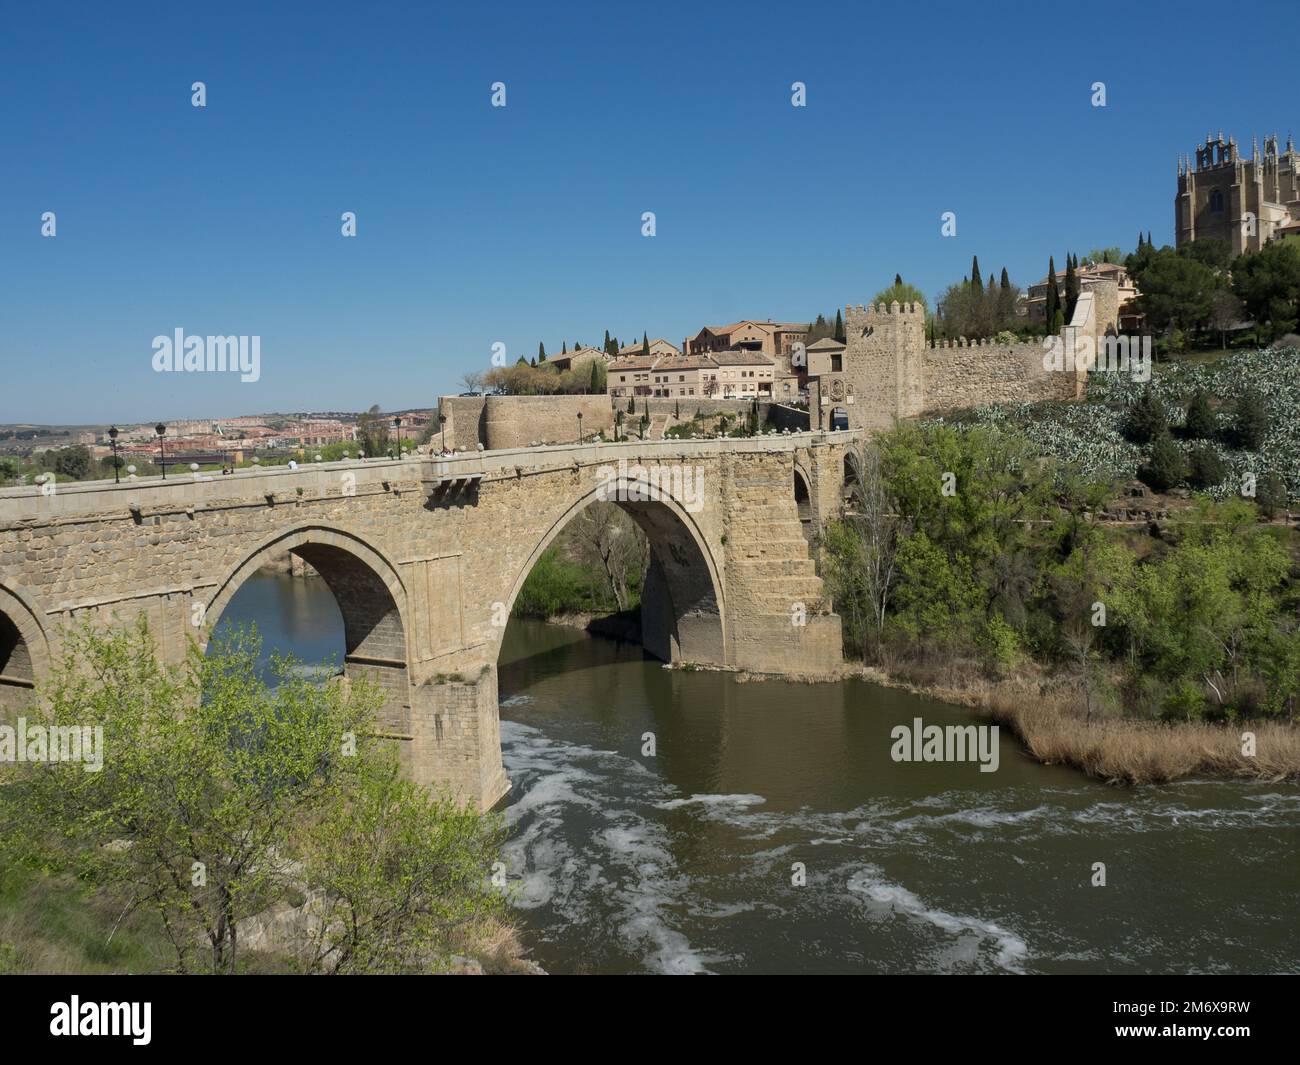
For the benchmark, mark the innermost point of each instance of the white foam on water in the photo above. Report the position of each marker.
(870, 882)
(726, 801)
(623, 863)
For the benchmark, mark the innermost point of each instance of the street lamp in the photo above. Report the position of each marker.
(442, 426)
(579, 427)
(112, 441)
(397, 424)
(161, 430)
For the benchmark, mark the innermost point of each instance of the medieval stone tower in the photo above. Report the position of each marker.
(1246, 202)
(884, 363)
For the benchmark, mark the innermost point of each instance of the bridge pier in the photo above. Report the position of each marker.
(456, 737)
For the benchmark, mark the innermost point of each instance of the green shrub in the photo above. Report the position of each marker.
(1201, 422)
(1205, 467)
(1165, 468)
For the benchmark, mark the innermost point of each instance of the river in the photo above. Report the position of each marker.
(771, 831)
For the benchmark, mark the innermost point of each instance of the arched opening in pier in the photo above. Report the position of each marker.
(803, 502)
(851, 487)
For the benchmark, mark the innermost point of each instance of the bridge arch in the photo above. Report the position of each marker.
(371, 599)
(683, 603)
(24, 646)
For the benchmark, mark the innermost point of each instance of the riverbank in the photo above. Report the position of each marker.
(1049, 719)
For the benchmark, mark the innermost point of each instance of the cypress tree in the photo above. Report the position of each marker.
(645, 343)
(1071, 287)
(564, 348)
(1148, 238)
(839, 326)
(1006, 281)
(541, 351)
(898, 280)
(1053, 297)
(975, 280)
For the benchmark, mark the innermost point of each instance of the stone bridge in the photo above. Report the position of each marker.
(425, 557)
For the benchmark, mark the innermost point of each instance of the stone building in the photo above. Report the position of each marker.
(1247, 202)
(776, 339)
(890, 372)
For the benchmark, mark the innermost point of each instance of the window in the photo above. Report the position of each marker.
(1216, 201)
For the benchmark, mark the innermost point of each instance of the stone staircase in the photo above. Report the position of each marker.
(768, 559)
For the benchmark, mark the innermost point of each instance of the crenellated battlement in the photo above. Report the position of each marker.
(873, 310)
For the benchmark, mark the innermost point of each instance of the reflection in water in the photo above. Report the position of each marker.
(297, 615)
(683, 862)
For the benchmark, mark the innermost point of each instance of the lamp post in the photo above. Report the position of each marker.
(579, 427)
(442, 427)
(161, 430)
(397, 424)
(112, 441)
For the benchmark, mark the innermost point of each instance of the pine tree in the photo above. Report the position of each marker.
(1201, 422)
(1252, 421)
(1145, 420)
(1165, 468)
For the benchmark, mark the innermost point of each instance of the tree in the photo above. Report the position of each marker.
(207, 809)
(1268, 284)
(975, 280)
(472, 381)
(862, 552)
(1225, 312)
(1201, 422)
(605, 540)
(1053, 304)
(1145, 419)
(1205, 468)
(1165, 467)
(372, 431)
(73, 462)
(839, 318)
(899, 291)
(1252, 423)
(645, 343)
(541, 352)
(1176, 291)
(1071, 289)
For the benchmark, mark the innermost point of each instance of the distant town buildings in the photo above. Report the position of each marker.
(736, 374)
(1247, 202)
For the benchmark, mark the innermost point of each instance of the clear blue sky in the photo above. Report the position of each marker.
(522, 224)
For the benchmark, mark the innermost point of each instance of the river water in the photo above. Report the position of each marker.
(771, 831)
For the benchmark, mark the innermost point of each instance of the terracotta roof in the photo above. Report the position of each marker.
(634, 362)
(685, 362)
(741, 358)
